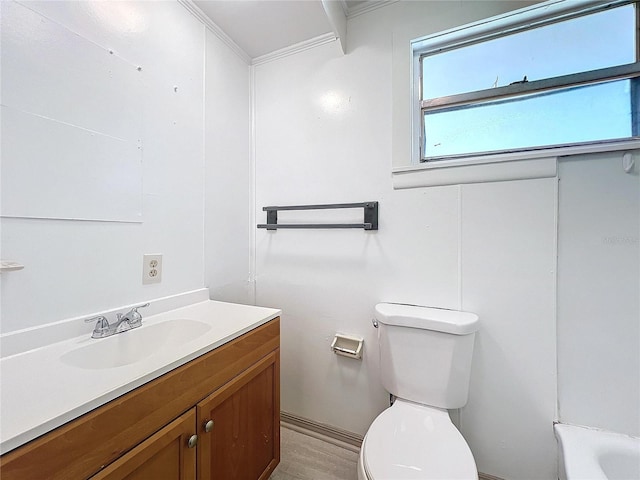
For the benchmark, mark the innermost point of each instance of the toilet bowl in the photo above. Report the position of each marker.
(409, 441)
(425, 361)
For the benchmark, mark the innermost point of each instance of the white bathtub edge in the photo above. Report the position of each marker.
(580, 449)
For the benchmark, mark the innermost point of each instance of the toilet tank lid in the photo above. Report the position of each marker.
(427, 318)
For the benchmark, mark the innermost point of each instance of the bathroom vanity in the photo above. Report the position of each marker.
(214, 411)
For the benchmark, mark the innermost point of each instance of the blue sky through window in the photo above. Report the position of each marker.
(585, 43)
(582, 114)
(573, 115)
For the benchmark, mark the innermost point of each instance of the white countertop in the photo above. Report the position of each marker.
(39, 391)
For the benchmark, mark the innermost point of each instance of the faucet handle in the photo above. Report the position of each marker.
(102, 320)
(135, 309)
(133, 316)
(132, 311)
(102, 325)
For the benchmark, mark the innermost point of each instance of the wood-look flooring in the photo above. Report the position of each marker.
(308, 458)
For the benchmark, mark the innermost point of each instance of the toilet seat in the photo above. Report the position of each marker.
(409, 441)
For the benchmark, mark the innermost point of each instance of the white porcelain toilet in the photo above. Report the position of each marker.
(425, 362)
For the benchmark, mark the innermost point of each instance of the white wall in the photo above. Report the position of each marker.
(508, 278)
(229, 186)
(323, 135)
(599, 293)
(74, 267)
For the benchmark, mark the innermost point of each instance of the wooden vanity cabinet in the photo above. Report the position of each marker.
(165, 455)
(244, 419)
(144, 434)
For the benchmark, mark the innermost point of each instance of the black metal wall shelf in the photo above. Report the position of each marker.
(370, 216)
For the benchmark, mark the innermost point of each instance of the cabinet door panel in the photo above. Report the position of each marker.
(163, 456)
(244, 443)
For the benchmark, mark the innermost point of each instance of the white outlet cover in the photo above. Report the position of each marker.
(151, 268)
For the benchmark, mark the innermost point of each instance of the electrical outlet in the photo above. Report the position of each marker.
(151, 268)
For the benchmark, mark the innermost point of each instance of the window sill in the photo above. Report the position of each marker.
(498, 167)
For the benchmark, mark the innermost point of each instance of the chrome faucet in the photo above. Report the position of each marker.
(131, 319)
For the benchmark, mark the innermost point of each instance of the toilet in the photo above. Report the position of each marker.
(425, 363)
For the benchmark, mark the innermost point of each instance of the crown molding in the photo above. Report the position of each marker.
(367, 7)
(345, 7)
(194, 10)
(363, 8)
(293, 49)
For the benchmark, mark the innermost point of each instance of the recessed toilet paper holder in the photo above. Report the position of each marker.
(347, 346)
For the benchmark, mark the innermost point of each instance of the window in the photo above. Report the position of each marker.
(535, 80)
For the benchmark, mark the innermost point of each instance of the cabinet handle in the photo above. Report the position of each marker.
(208, 426)
(193, 441)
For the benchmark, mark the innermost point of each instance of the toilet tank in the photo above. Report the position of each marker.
(425, 353)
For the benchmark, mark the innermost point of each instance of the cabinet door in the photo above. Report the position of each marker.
(165, 455)
(244, 440)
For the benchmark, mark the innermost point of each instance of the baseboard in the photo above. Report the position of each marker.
(485, 476)
(335, 436)
(328, 433)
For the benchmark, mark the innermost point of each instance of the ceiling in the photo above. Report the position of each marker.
(260, 27)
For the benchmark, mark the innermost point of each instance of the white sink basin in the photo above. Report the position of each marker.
(134, 345)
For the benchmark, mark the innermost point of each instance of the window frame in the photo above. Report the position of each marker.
(513, 22)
